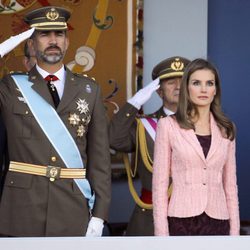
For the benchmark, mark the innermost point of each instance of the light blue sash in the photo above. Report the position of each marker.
(56, 132)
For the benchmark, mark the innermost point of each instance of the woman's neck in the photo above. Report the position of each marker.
(202, 122)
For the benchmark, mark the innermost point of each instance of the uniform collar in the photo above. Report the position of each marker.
(60, 73)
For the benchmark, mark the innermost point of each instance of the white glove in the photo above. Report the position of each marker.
(13, 41)
(144, 94)
(95, 227)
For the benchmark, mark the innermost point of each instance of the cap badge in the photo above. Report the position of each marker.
(52, 14)
(177, 65)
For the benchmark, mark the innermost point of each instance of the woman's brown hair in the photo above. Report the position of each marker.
(187, 110)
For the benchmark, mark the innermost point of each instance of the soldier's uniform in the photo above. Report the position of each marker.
(123, 134)
(34, 205)
(2, 151)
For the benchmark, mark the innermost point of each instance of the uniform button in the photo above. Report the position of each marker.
(128, 115)
(143, 210)
(26, 112)
(11, 182)
(53, 158)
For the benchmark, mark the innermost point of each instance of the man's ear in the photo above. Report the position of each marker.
(160, 92)
(30, 44)
(67, 42)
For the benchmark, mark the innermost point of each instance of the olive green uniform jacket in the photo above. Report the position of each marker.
(33, 205)
(122, 136)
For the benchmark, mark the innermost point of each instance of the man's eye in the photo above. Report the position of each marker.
(43, 34)
(60, 33)
(171, 82)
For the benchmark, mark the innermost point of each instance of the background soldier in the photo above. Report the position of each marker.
(129, 132)
(29, 59)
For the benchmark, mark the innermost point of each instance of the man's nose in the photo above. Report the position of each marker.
(178, 83)
(52, 38)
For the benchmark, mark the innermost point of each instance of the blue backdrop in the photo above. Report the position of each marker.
(229, 49)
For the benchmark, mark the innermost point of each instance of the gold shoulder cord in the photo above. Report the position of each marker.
(132, 190)
(131, 174)
(140, 142)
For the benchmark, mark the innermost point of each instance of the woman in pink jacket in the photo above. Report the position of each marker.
(196, 147)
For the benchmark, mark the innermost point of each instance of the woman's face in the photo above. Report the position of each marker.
(202, 88)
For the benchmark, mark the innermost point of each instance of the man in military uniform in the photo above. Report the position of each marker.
(129, 132)
(29, 59)
(2, 152)
(58, 182)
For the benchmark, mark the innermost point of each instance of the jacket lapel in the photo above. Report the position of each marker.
(216, 137)
(190, 137)
(40, 85)
(71, 89)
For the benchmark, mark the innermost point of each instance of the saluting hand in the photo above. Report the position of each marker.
(144, 94)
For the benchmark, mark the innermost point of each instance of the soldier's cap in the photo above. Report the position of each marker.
(48, 18)
(170, 67)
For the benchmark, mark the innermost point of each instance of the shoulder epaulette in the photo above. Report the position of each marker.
(146, 115)
(18, 73)
(85, 75)
(141, 115)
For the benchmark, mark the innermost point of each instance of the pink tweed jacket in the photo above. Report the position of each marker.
(199, 184)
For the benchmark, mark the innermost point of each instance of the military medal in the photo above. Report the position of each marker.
(80, 131)
(86, 119)
(82, 106)
(74, 119)
(82, 120)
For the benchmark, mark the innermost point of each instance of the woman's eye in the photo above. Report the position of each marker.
(210, 83)
(195, 83)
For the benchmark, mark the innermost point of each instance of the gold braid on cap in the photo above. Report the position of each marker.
(176, 69)
(47, 24)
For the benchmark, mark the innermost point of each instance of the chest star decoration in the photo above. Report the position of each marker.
(74, 119)
(82, 106)
(80, 131)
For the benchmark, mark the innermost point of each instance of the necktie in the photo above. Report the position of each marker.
(52, 89)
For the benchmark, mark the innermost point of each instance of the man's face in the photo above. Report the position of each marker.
(169, 92)
(50, 46)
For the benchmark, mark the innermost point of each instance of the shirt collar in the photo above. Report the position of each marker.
(168, 111)
(60, 73)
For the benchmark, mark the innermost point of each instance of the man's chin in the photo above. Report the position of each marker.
(52, 59)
